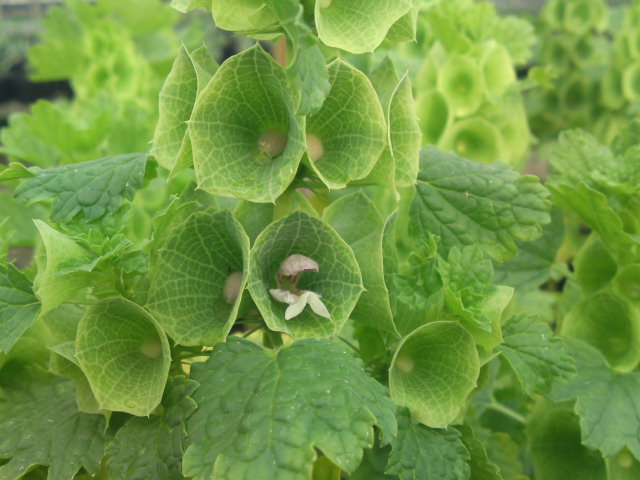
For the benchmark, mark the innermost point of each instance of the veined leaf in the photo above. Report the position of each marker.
(19, 307)
(262, 413)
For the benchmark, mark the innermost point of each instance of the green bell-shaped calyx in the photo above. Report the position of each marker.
(241, 14)
(433, 371)
(124, 354)
(357, 26)
(197, 278)
(299, 254)
(460, 80)
(246, 138)
(347, 135)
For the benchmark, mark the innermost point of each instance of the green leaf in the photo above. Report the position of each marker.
(433, 371)
(15, 171)
(503, 452)
(50, 288)
(466, 203)
(373, 465)
(423, 452)
(124, 354)
(357, 26)
(262, 413)
(536, 261)
(188, 275)
(606, 402)
(146, 448)
(338, 280)
(481, 466)
(177, 97)
(19, 227)
(40, 425)
(537, 357)
(361, 225)
(19, 307)
(94, 188)
(241, 151)
(347, 135)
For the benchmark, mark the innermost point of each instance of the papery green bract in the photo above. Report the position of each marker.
(538, 359)
(361, 225)
(51, 288)
(177, 97)
(606, 402)
(40, 425)
(19, 307)
(338, 280)
(357, 26)
(124, 354)
(146, 448)
(432, 372)
(350, 126)
(246, 98)
(262, 414)
(188, 275)
(422, 452)
(467, 203)
(64, 363)
(241, 14)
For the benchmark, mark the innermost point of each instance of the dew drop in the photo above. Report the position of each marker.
(272, 143)
(314, 147)
(404, 362)
(151, 348)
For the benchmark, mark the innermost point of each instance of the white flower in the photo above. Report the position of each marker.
(294, 265)
(297, 302)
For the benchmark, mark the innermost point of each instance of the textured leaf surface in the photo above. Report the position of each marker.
(421, 452)
(247, 97)
(93, 188)
(481, 467)
(405, 136)
(19, 307)
(124, 354)
(357, 26)
(607, 402)
(40, 425)
(146, 448)
(188, 275)
(261, 413)
(338, 280)
(468, 203)
(433, 371)
(538, 358)
(361, 225)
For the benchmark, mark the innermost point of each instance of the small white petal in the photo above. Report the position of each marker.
(284, 296)
(317, 305)
(295, 264)
(296, 308)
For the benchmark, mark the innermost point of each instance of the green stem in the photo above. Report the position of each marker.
(498, 407)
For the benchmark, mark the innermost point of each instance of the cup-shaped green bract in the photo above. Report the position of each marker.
(497, 69)
(476, 139)
(246, 138)
(556, 445)
(580, 16)
(609, 323)
(434, 116)
(347, 135)
(594, 265)
(631, 82)
(338, 279)
(124, 354)
(189, 272)
(241, 14)
(460, 81)
(508, 115)
(627, 283)
(611, 89)
(631, 39)
(357, 26)
(433, 371)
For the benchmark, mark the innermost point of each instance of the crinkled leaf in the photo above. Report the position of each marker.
(146, 448)
(361, 225)
(421, 452)
(538, 358)
(607, 402)
(433, 371)
(226, 129)
(481, 467)
(19, 307)
(40, 425)
(124, 354)
(338, 280)
(95, 188)
(262, 413)
(503, 452)
(468, 203)
(188, 276)
(357, 26)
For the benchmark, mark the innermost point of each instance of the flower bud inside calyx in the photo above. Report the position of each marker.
(231, 288)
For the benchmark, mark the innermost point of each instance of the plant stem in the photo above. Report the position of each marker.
(498, 407)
